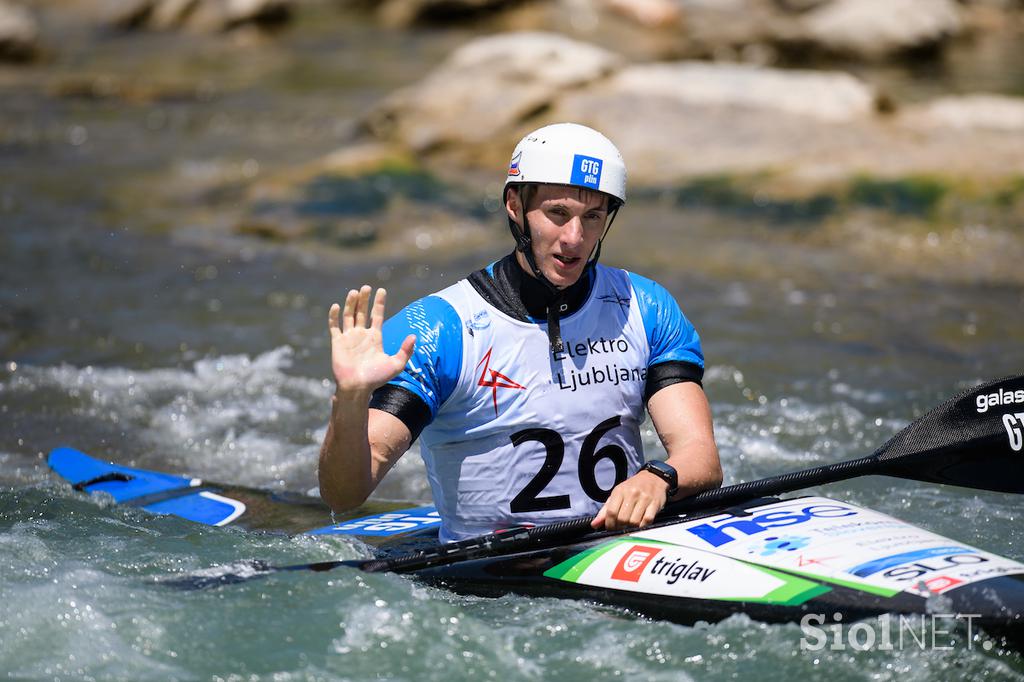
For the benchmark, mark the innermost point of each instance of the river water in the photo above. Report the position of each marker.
(137, 326)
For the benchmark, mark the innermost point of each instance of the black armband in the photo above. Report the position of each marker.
(404, 404)
(672, 372)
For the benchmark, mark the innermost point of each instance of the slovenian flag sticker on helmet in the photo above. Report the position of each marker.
(586, 171)
(513, 166)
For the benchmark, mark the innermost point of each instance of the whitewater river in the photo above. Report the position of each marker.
(132, 326)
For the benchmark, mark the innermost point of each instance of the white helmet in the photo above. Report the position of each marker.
(569, 154)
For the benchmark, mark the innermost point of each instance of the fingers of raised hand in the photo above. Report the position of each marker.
(348, 314)
(362, 305)
(377, 314)
(333, 316)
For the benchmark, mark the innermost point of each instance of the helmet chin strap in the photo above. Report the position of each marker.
(556, 305)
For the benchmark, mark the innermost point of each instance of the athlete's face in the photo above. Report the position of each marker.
(565, 225)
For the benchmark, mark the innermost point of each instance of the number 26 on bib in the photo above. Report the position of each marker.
(529, 499)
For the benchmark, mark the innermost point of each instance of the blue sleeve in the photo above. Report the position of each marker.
(671, 336)
(433, 369)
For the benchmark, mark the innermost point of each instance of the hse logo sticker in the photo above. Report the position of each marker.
(727, 529)
(586, 171)
(633, 563)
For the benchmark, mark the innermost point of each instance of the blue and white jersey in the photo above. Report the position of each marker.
(518, 434)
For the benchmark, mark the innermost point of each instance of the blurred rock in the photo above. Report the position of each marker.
(410, 12)
(19, 33)
(794, 130)
(723, 30)
(970, 112)
(259, 12)
(170, 14)
(125, 14)
(648, 13)
(108, 86)
(800, 5)
(670, 130)
(828, 96)
(201, 15)
(487, 87)
(876, 29)
(667, 139)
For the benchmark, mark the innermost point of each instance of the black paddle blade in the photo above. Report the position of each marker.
(974, 440)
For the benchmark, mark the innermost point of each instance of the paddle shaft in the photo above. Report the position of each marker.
(500, 543)
(957, 442)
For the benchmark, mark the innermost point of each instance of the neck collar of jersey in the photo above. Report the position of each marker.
(510, 289)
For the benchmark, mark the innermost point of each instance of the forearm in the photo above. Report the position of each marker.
(697, 465)
(345, 472)
(682, 417)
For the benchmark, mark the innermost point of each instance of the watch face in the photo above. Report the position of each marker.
(665, 471)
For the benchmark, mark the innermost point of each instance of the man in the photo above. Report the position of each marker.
(526, 382)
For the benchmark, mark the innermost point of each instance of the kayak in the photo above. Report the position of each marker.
(811, 560)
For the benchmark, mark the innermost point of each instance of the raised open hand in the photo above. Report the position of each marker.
(358, 360)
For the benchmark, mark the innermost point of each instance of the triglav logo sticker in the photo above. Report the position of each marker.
(633, 563)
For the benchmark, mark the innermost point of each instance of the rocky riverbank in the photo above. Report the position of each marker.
(382, 128)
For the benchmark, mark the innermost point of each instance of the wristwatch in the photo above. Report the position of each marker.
(665, 472)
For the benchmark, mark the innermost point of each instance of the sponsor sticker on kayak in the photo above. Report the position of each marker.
(657, 568)
(839, 543)
(632, 565)
(390, 523)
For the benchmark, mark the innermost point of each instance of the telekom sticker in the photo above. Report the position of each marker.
(633, 563)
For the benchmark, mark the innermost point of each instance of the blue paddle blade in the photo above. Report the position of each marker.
(122, 483)
(150, 490)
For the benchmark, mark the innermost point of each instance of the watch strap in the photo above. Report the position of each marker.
(665, 472)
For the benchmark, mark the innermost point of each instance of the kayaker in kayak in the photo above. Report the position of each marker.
(526, 382)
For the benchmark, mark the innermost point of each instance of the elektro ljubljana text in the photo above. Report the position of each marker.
(610, 372)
